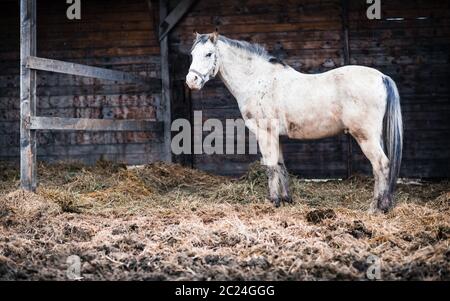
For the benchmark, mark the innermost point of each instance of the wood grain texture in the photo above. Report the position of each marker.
(308, 34)
(175, 15)
(101, 125)
(312, 35)
(50, 65)
(27, 95)
(166, 94)
(117, 35)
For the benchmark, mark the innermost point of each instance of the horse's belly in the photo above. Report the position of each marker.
(314, 127)
(312, 133)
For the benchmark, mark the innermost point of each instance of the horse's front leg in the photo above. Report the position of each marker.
(273, 180)
(284, 179)
(284, 184)
(269, 147)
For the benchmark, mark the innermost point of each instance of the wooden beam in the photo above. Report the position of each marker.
(346, 48)
(101, 125)
(27, 95)
(169, 21)
(165, 106)
(50, 65)
(345, 22)
(150, 5)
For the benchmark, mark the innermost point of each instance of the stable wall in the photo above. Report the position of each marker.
(309, 36)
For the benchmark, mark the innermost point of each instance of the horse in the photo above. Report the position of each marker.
(276, 100)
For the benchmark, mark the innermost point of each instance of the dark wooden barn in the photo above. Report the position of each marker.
(411, 43)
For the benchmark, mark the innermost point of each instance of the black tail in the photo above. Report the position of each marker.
(393, 133)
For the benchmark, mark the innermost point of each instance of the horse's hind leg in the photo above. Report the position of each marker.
(371, 147)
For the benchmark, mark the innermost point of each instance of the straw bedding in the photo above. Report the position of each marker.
(167, 222)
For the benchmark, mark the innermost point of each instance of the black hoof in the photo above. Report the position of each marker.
(276, 202)
(287, 199)
(384, 204)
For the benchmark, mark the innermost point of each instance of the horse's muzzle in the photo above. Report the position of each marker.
(193, 81)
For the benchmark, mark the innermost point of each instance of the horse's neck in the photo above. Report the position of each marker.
(241, 72)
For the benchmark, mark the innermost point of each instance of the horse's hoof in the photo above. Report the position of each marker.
(384, 209)
(276, 202)
(380, 206)
(288, 199)
(384, 205)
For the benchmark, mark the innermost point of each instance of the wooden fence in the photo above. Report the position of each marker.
(30, 64)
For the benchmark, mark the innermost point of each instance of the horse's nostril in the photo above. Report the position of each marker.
(195, 77)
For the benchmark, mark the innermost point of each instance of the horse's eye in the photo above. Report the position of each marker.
(209, 54)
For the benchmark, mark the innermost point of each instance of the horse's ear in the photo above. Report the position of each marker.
(195, 34)
(214, 36)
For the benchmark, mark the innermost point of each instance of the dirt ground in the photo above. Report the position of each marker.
(166, 222)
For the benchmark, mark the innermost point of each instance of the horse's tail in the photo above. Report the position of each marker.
(393, 132)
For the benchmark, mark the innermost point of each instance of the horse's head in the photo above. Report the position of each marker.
(205, 60)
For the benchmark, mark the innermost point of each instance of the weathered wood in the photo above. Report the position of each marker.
(174, 17)
(86, 124)
(27, 95)
(123, 39)
(346, 46)
(150, 5)
(305, 32)
(165, 106)
(83, 70)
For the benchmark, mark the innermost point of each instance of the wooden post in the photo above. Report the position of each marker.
(345, 32)
(344, 4)
(166, 87)
(27, 95)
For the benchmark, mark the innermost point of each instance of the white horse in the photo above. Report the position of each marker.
(276, 100)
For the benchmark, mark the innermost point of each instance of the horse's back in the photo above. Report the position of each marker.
(325, 104)
(356, 69)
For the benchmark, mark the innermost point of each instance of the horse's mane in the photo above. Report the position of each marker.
(252, 48)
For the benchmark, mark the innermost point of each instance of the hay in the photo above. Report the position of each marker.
(169, 222)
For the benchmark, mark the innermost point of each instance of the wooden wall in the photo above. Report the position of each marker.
(308, 35)
(412, 45)
(117, 34)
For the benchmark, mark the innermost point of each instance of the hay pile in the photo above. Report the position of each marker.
(169, 222)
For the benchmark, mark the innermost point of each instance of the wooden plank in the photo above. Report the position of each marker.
(50, 65)
(346, 45)
(345, 30)
(86, 124)
(124, 158)
(27, 95)
(174, 17)
(150, 7)
(88, 149)
(165, 106)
